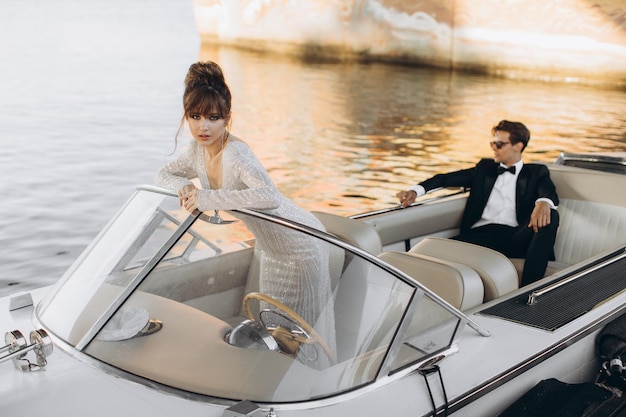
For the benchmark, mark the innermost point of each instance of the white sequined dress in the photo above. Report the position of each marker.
(294, 268)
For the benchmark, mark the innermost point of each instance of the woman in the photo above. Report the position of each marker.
(293, 267)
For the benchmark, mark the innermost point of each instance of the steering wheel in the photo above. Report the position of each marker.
(289, 341)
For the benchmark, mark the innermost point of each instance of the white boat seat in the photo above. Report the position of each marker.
(355, 232)
(592, 218)
(586, 228)
(458, 284)
(497, 272)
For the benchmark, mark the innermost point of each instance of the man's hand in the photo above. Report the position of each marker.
(540, 217)
(406, 197)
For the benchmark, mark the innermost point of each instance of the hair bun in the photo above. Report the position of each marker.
(205, 73)
(206, 90)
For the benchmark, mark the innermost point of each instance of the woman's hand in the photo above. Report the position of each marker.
(188, 197)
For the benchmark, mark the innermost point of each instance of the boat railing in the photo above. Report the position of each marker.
(614, 163)
(453, 193)
(533, 296)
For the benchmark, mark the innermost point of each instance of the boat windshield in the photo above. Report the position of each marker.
(201, 303)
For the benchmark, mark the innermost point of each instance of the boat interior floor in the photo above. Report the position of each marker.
(565, 303)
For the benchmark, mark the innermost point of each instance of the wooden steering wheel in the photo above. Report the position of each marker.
(287, 340)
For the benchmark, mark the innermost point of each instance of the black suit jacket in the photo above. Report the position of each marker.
(533, 182)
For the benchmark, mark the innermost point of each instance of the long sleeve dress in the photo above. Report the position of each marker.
(294, 268)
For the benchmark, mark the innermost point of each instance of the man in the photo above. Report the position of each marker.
(511, 207)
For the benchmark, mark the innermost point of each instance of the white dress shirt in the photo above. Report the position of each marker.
(500, 206)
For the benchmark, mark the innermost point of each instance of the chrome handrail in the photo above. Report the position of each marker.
(454, 192)
(596, 158)
(532, 297)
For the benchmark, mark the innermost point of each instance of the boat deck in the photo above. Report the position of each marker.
(565, 303)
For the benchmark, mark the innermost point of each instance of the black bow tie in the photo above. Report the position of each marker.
(502, 169)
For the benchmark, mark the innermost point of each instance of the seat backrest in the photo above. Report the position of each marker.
(592, 211)
(497, 272)
(588, 228)
(458, 284)
(355, 232)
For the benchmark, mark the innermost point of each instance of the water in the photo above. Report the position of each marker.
(90, 102)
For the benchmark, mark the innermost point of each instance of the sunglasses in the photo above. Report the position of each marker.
(498, 144)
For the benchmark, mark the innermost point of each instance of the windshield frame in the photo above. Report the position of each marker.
(387, 365)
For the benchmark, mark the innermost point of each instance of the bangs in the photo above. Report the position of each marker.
(205, 102)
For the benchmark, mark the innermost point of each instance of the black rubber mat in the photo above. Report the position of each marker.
(562, 305)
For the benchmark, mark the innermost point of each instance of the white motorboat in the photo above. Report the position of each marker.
(424, 325)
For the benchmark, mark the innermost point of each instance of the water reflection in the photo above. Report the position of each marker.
(347, 136)
(335, 137)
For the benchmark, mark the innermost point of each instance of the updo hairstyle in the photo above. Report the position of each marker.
(206, 91)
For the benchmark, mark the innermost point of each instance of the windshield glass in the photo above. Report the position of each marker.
(120, 251)
(204, 304)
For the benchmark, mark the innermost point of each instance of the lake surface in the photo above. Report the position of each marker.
(90, 103)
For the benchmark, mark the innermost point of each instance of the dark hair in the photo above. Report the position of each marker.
(206, 92)
(517, 130)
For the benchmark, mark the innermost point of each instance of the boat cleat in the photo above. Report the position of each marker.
(17, 349)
